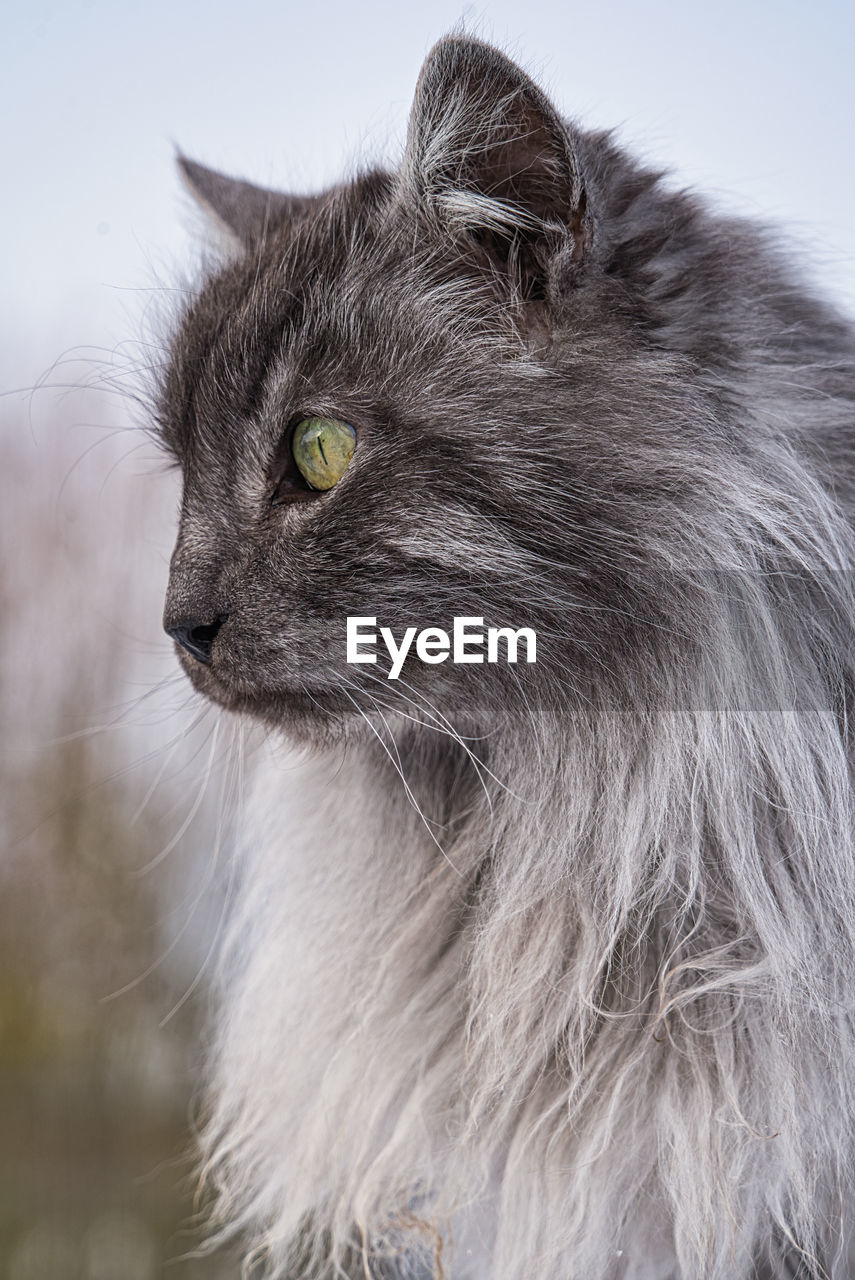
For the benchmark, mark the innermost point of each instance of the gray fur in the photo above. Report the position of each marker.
(544, 971)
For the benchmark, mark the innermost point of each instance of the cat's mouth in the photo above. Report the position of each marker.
(281, 704)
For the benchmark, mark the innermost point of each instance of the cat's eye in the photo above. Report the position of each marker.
(322, 449)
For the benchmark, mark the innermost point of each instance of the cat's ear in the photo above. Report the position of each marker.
(240, 208)
(491, 157)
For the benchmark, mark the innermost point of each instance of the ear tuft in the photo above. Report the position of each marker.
(488, 153)
(241, 208)
(480, 125)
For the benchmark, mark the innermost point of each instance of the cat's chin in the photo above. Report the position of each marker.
(306, 716)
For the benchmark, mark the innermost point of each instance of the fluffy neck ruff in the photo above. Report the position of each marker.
(585, 1012)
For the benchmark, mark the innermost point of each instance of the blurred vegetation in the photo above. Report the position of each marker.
(111, 882)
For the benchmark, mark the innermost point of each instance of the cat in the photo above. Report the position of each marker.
(536, 970)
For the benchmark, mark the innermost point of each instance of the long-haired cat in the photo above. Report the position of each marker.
(535, 971)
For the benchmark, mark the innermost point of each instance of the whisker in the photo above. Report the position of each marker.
(396, 766)
(232, 789)
(194, 809)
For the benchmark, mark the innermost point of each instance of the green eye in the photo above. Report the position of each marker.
(322, 449)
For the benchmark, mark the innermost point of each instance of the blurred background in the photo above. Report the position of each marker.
(118, 789)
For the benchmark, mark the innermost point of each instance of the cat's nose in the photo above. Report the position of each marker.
(196, 636)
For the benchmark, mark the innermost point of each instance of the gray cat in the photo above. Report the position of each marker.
(535, 970)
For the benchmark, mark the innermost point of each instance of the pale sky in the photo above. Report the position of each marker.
(752, 101)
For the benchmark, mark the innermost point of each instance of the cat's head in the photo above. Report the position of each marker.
(417, 396)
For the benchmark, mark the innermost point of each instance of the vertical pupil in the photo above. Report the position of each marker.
(322, 449)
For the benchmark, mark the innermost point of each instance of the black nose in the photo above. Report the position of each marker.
(197, 637)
